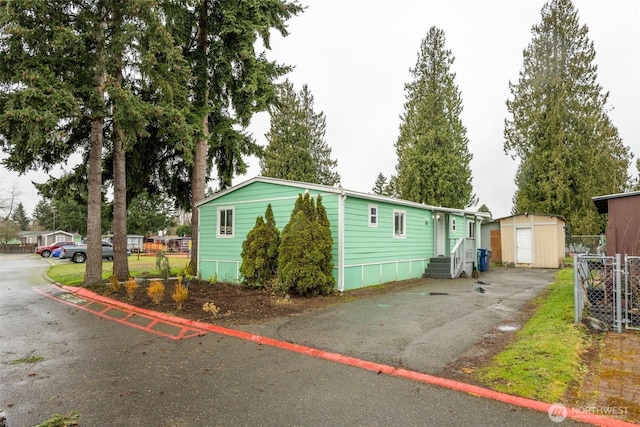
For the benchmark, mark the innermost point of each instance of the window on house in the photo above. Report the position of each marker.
(399, 222)
(453, 224)
(472, 229)
(373, 216)
(225, 222)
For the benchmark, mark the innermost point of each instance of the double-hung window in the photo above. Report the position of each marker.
(472, 229)
(373, 216)
(399, 223)
(225, 222)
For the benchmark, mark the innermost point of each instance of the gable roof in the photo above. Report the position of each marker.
(602, 202)
(532, 213)
(338, 190)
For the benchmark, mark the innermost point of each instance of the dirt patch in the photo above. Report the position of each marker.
(229, 304)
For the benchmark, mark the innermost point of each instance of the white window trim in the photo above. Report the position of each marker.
(453, 224)
(233, 222)
(371, 216)
(471, 231)
(404, 224)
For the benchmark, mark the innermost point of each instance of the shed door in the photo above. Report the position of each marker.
(523, 246)
(496, 246)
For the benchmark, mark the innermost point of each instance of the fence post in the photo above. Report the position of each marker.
(618, 289)
(577, 289)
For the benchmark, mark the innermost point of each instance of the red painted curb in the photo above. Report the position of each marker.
(572, 413)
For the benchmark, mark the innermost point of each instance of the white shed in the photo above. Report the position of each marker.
(533, 240)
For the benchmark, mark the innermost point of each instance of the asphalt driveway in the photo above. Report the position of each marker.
(422, 329)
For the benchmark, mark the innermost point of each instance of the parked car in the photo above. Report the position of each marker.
(46, 251)
(78, 253)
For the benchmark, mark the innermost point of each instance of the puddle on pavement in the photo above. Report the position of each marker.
(507, 328)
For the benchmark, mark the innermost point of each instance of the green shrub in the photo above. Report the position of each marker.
(260, 252)
(304, 261)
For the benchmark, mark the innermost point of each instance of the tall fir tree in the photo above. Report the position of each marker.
(73, 67)
(558, 128)
(380, 184)
(296, 147)
(433, 157)
(20, 217)
(230, 82)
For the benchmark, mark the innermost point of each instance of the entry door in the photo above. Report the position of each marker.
(523, 246)
(441, 234)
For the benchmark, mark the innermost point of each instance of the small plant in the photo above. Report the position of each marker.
(114, 283)
(27, 359)
(211, 308)
(71, 419)
(163, 265)
(180, 295)
(213, 279)
(156, 291)
(130, 286)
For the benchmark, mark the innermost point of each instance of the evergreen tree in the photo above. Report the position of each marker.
(380, 184)
(147, 214)
(391, 189)
(260, 252)
(433, 158)
(484, 208)
(73, 67)
(230, 82)
(20, 217)
(296, 147)
(43, 215)
(324, 241)
(568, 148)
(302, 260)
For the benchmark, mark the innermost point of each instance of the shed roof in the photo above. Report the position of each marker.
(602, 202)
(533, 213)
(339, 190)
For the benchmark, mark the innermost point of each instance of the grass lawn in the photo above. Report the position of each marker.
(71, 274)
(545, 360)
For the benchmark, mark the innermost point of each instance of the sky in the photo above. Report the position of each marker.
(355, 57)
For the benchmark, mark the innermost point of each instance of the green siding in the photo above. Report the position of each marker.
(371, 255)
(221, 256)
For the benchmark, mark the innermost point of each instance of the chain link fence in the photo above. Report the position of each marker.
(585, 244)
(632, 292)
(608, 290)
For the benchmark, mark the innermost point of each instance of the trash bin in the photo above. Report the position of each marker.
(482, 259)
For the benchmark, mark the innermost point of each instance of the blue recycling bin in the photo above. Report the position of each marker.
(482, 259)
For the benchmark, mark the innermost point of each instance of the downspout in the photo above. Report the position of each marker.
(197, 272)
(341, 203)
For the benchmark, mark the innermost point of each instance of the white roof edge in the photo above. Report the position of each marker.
(615, 196)
(339, 190)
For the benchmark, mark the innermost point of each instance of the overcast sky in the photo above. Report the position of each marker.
(355, 57)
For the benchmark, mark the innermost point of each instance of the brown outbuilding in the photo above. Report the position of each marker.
(623, 224)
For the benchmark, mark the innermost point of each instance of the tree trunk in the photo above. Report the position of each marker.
(93, 271)
(199, 171)
(120, 260)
